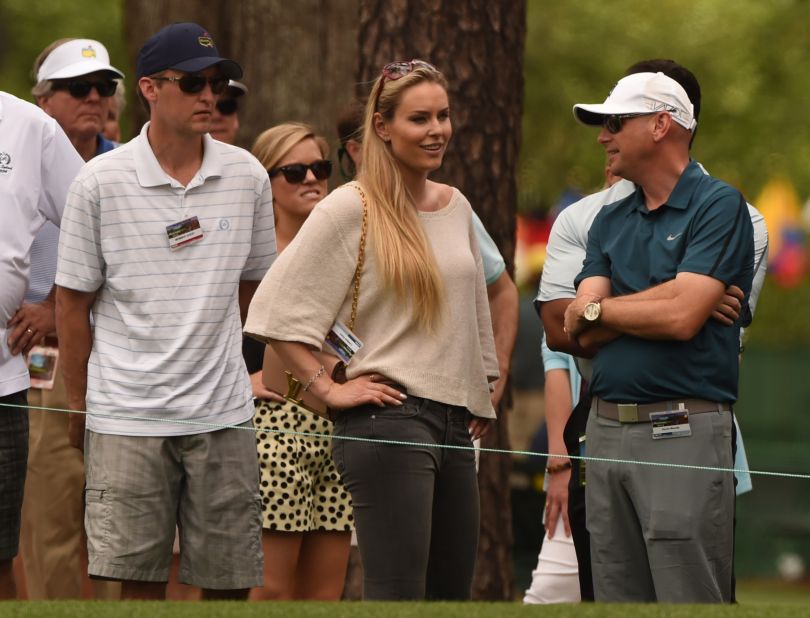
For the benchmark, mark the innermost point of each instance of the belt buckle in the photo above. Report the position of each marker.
(628, 412)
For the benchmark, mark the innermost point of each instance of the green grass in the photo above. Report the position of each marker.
(757, 599)
(97, 609)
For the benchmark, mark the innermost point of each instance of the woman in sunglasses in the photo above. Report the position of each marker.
(306, 511)
(416, 392)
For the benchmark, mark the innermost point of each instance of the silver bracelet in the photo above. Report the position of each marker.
(317, 375)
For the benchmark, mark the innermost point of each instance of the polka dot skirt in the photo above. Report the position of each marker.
(300, 486)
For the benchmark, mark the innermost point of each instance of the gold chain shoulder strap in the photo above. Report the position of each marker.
(361, 255)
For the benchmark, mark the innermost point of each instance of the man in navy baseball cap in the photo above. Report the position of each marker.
(197, 219)
(184, 47)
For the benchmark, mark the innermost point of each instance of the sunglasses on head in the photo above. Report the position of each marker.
(192, 83)
(80, 88)
(296, 173)
(227, 107)
(396, 70)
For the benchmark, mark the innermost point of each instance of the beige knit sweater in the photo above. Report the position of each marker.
(310, 285)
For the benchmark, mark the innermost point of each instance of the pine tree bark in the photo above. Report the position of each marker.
(478, 45)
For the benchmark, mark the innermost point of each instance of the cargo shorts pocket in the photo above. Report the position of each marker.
(97, 520)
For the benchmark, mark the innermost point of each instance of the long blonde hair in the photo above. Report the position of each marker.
(407, 263)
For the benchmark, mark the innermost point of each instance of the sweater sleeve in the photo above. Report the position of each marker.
(302, 294)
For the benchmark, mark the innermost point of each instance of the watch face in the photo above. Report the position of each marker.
(592, 311)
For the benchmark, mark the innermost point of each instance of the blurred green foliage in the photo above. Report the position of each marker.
(28, 26)
(749, 57)
(781, 316)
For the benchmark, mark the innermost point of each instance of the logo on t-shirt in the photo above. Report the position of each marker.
(5, 163)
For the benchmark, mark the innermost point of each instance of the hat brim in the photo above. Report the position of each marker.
(85, 67)
(229, 68)
(593, 115)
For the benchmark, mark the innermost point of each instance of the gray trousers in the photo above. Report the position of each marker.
(416, 509)
(661, 534)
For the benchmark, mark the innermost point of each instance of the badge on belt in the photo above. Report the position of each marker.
(670, 424)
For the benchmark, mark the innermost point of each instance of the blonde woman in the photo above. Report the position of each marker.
(306, 511)
(427, 355)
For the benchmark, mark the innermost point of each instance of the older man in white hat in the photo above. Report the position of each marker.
(75, 86)
(75, 83)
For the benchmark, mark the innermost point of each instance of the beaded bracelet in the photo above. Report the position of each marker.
(317, 375)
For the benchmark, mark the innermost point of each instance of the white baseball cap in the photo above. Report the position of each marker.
(641, 93)
(75, 58)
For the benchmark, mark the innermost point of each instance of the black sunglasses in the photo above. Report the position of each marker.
(615, 122)
(227, 107)
(191, 83)
(296, 173)
(80, 88)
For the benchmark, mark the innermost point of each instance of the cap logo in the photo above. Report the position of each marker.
(205, 41)
(88, 52)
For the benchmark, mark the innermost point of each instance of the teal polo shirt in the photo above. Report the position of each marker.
(702, 228)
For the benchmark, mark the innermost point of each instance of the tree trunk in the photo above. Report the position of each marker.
(298, 58)
(478, 45)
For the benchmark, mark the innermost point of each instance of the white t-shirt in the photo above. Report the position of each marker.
(167, 330)
(37, 165)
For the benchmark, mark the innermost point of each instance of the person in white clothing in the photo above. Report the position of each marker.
(37, 165)
(165, 240)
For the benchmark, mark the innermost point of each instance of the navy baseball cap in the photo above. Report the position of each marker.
(183, 47)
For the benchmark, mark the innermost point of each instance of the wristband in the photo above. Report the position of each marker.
(566, 465)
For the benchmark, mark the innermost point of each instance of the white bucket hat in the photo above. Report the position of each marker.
(75, 58)
(641, 93)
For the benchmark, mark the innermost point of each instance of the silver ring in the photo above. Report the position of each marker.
(29, 331)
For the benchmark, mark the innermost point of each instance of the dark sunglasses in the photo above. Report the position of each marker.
(396, 70)
(227, 107)
(296, 173)
(80, 88)
(615, 122)
(191, 83)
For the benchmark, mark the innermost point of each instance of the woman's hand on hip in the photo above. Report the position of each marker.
(479, 427)
(362, 390)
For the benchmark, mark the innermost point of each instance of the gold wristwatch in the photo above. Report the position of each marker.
(592, 312)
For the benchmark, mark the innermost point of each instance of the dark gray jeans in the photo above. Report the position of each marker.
(416, 508)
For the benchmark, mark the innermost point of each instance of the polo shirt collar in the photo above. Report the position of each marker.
(682, 193)
(685, 188)
(150, 174)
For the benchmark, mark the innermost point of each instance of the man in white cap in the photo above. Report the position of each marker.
(665, 374)
(225, 119)
(565, 495)
(75, 85)
(165, 240)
